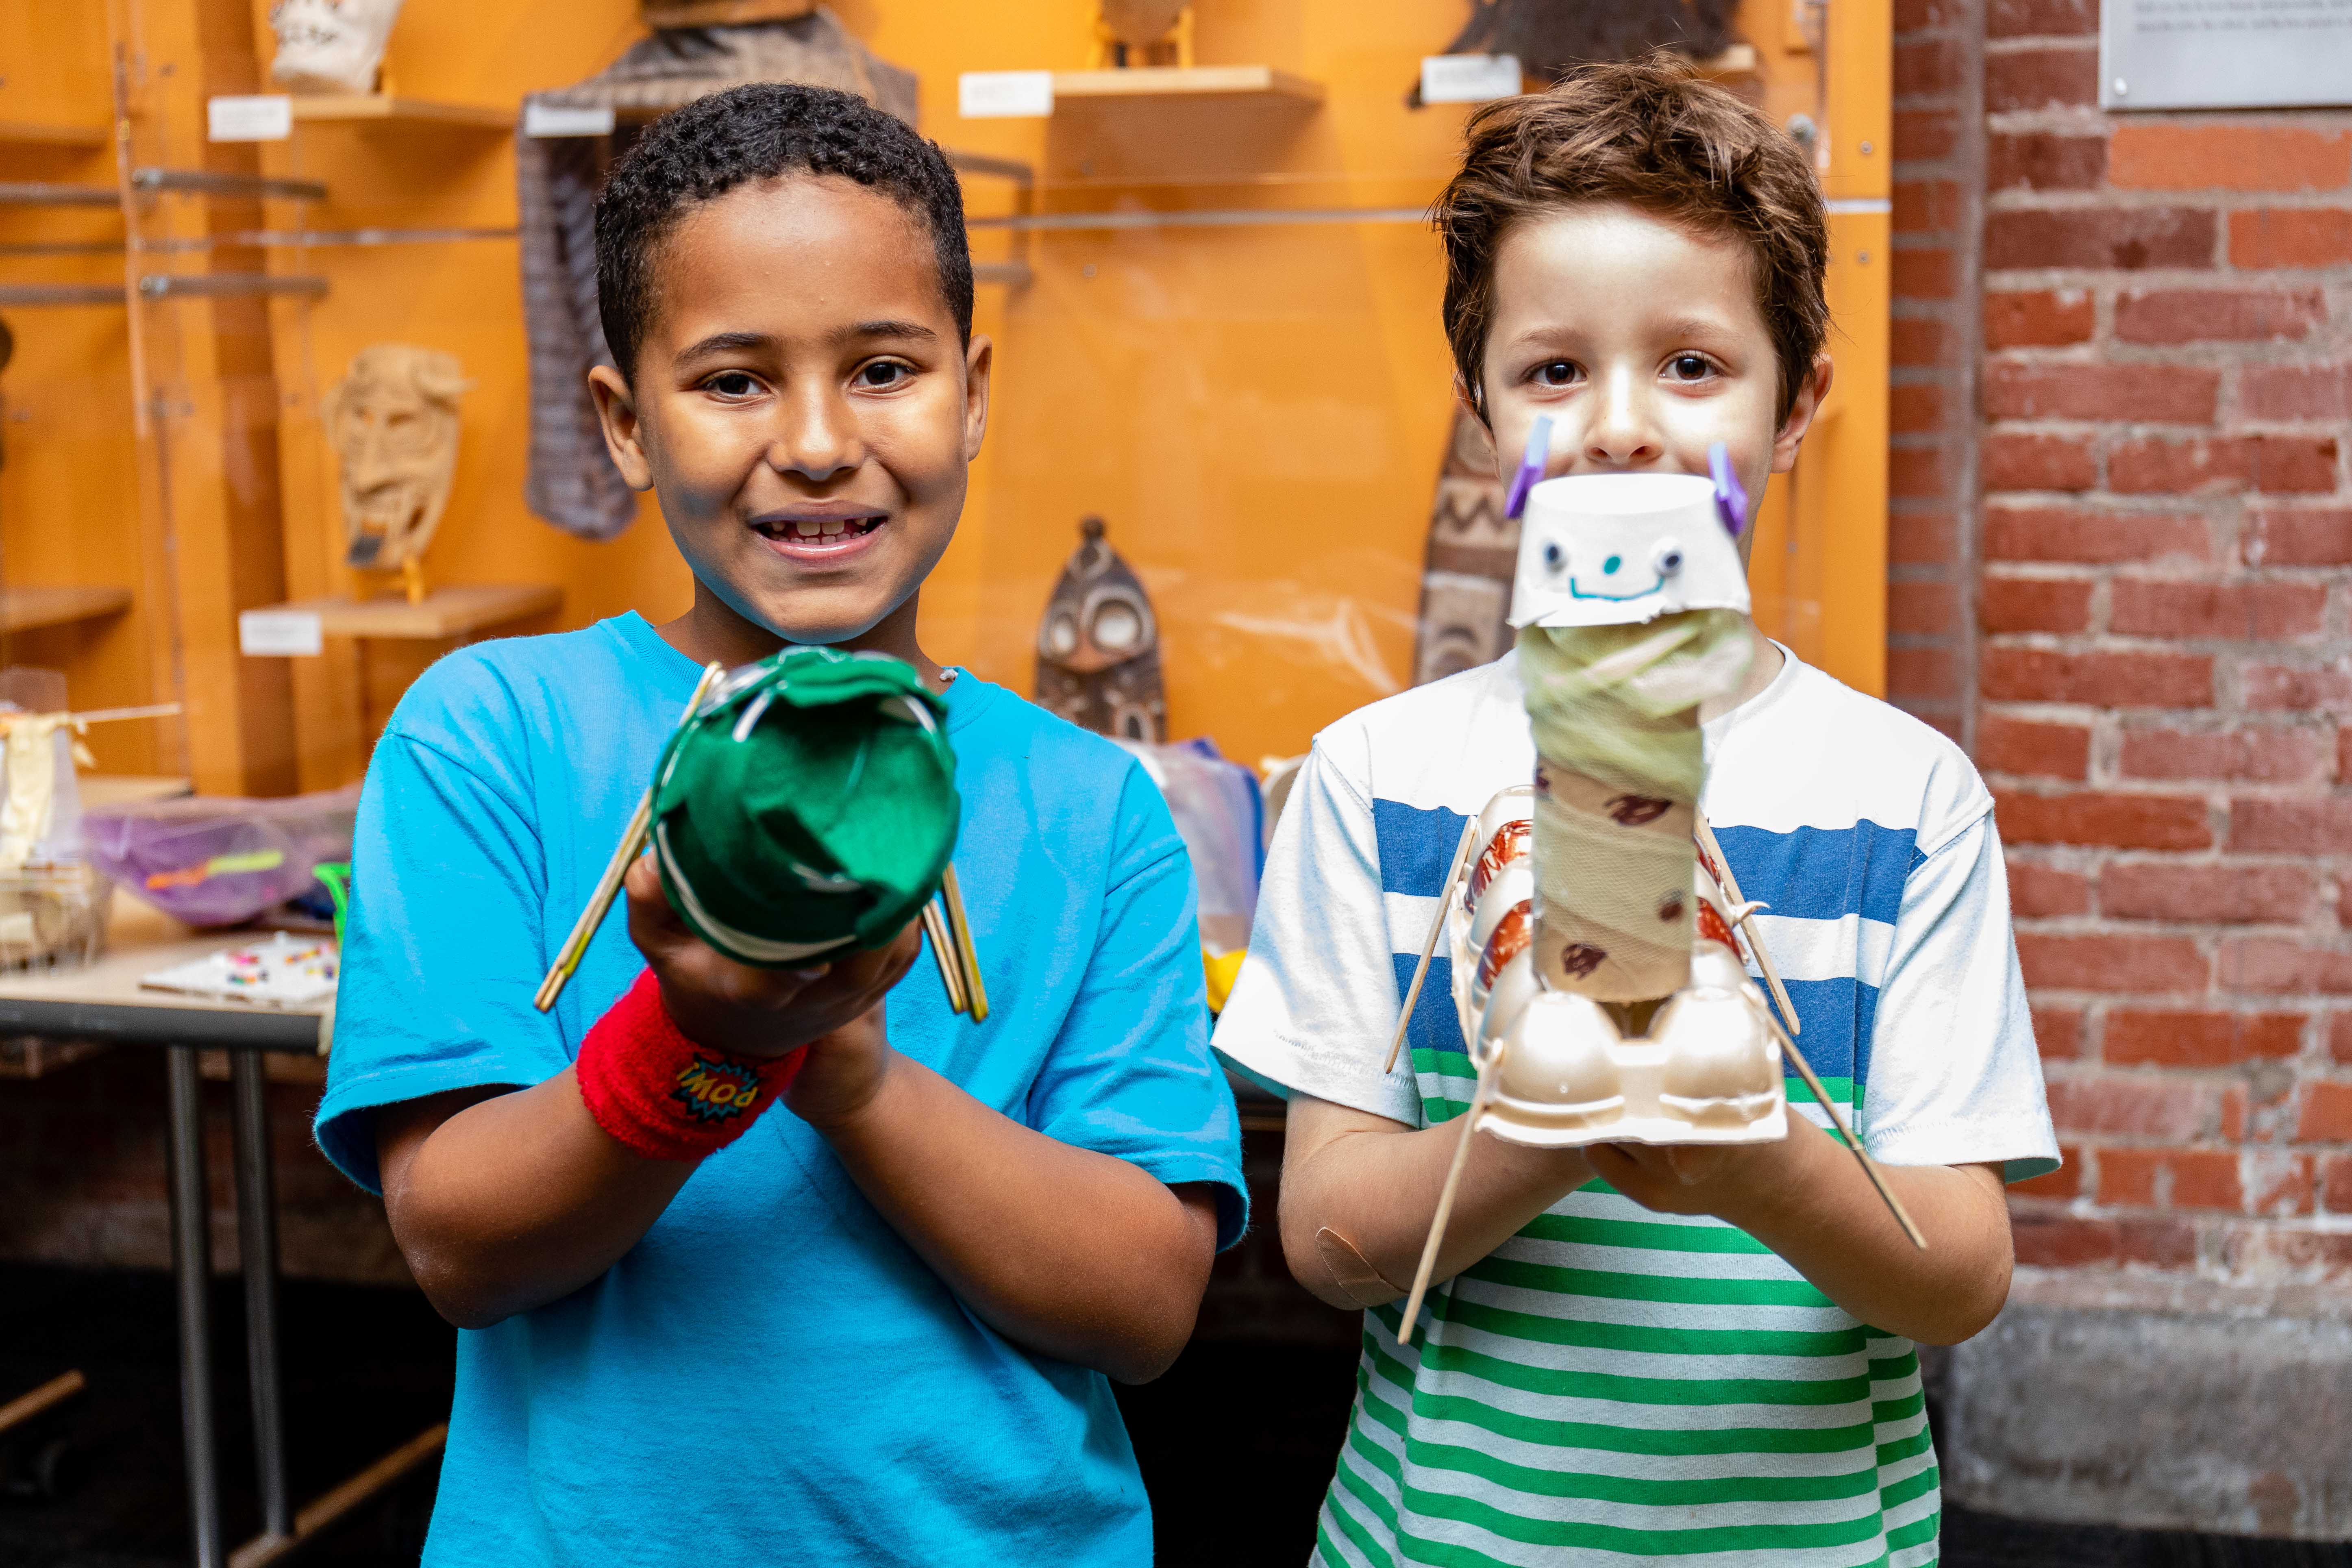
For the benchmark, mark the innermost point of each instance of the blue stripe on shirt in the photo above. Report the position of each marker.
(1822, 873)
(1416, 848)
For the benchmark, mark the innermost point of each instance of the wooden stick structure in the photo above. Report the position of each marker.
(1429, 944)
(1748, 925)
(1478, 1097)
(608, 886)
(1837, 1119)
(967, 955)
(943, 952)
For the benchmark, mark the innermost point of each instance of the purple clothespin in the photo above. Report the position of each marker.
(1532, 466)
(1730, 498)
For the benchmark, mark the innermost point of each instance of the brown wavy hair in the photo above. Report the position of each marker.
(1654, 135)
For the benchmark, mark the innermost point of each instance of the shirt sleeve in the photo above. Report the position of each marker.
(1954, 1076)
(1316, 1002)
(441, 949)
(1130, 1074)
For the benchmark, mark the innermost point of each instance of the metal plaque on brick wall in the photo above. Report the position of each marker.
(2224, 54)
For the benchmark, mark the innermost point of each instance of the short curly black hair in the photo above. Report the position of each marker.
(759, 131)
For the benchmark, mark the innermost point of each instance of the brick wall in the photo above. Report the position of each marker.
(2163, 670)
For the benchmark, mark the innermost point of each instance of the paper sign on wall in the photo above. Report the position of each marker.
(1005, 95)
(558, 120)
(264, 117)
(279, 634)
(1468, 78)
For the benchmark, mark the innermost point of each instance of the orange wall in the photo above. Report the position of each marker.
(1257, 412)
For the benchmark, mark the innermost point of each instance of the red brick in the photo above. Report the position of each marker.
(2295, 826)
(1922, 674)
(2175, 1178)
(1917, 15)
(2041, 161)
(2065, 1241)
(1913, 341)
(1915, 472)
(2021, 746)
(2126, 238)
(2155, 466)
(1922, 610)
(2285, 688)
(2201, 155)
(2283, 966)
(1927, 66)
(2297, 391)
(2197, 1039)
(2092, 816)
(2037, 318)
(1921, 538)
(2327, 1113)
(2103, 680)
(2058, 1034)
(2133, 1105)
(2040, 18)
(2040, 79)
(2009, 461)
(2099, 537)
(2265, 756)
(2033, 603)
(1924, 274)
(1924, 135)
(2218, 315)
(2149, 394)
(1923, 207)
(2344, 775)
(2339, 1038)
(2268, 612)
(2290, 237)
(1915, 409)
(2037, 892)
(2314, 538)
(2334, 1182)
(2280, 1184)
(2158, 1242)
(2205, 894)
(2065, 1181)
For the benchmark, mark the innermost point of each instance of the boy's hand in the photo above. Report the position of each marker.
(834, 1007)
(1724, 1179)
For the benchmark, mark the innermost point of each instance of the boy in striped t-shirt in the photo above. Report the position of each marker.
(1639, 1353)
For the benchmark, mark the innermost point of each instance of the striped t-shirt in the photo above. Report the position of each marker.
(1612, 1385)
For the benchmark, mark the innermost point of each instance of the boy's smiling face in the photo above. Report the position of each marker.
(804, 407)
(1643, 341)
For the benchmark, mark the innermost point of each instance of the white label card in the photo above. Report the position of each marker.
(1005, 95)
(279, 634)
(557, 120)
(1468, 78)
(268, 116)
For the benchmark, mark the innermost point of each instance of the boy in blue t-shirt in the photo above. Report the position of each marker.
(876, 1328)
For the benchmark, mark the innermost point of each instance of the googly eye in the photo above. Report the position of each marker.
(1668, 559)
(1554, 557)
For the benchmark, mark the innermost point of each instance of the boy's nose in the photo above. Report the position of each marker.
(817, 439)
(1625, 431)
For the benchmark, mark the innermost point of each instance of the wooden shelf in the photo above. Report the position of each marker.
(446, 613)
(29, 133)
(1186, 81)
(28, 609)
(1732, 64)
(379, 109)
(115, 791)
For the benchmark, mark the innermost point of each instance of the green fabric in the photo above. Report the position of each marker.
(1619, 704)
(807, 805)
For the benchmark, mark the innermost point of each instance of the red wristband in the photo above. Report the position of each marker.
(658, 1092)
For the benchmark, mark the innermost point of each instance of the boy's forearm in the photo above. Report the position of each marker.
(1070, 1253)
(1356, 1184)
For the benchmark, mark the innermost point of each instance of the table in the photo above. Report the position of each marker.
(103, 1001)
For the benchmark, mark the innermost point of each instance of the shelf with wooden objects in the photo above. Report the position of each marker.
(62, 138)
(32, 609)
(443, 615)
(1184, 82)
(392, 112)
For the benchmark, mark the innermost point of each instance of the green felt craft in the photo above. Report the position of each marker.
(807, 806)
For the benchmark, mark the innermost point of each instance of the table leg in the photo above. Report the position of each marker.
(257, 1238)
(191, 1269)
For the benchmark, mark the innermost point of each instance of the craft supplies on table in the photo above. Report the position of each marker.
(285, 971)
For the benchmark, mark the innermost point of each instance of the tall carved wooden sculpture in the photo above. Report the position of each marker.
(1098, 646)
(1466, 580)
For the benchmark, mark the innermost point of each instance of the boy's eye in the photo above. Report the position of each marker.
(1690, 367)
(882, 372)
(733, 383)
(1557, 373)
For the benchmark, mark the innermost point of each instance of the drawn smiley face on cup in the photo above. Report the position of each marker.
(1614, 571)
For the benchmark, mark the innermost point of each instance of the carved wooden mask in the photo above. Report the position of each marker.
(1098, 646)
(330, 46)
(392, 422)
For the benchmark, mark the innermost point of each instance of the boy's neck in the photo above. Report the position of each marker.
(1763, 668)
(713, 631)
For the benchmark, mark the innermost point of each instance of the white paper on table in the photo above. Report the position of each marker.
(284, 971)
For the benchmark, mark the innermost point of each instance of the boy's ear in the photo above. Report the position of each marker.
(1808, 404)
(616, 410)
(979, 363)
(1469, 403)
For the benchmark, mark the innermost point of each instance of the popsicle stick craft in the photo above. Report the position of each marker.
(804, 809)
(1593, 924)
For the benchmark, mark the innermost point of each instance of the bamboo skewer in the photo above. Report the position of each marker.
(1748, 924)
(1429, 945)
(935, 927)
(1837, 1119)
(967, 955)
(608, 886)
(1445, 1193)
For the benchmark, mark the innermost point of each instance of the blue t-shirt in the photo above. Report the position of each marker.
(771, 1375)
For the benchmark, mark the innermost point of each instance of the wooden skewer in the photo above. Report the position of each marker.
(1429, 945)
(1837, 1119)
(608, 886)
(1748, 925)
(967, 955)
(935, 926)
(1445, 1193)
